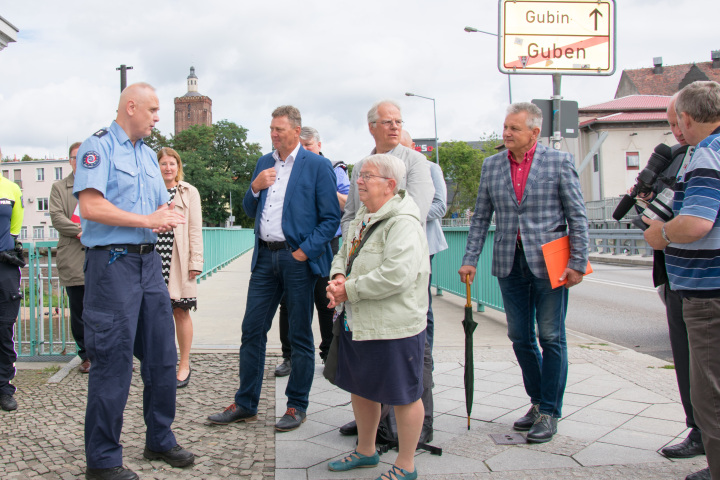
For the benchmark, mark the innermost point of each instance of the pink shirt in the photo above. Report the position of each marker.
(519, 171)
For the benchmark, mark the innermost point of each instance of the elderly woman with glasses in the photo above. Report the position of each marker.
(379, 286)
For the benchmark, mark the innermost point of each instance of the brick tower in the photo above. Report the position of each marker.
(192, 108)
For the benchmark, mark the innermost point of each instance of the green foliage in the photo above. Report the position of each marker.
(156, 140)
(219, 162)
(26, 158)
(462, 166)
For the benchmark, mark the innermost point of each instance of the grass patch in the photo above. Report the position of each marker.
(51, 370)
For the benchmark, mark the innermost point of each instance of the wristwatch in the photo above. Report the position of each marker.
(664, 235)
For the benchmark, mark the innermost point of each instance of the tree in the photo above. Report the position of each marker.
(219, 162)
(462, 166)
(26, 158)
(156, 140)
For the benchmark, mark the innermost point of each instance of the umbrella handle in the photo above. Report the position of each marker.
(467, 284)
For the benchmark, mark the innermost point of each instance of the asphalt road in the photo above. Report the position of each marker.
(620, 304)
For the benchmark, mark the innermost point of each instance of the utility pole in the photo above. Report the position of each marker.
(123, 76)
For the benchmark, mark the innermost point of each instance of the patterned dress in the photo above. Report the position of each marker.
(164, 247)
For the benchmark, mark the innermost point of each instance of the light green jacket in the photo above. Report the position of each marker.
(387, 287)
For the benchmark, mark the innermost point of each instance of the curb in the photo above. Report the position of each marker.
(63, 372)
(635, 260)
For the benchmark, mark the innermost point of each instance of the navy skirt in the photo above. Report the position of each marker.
(384, 371)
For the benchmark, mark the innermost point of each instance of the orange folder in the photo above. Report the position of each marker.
(557, 257)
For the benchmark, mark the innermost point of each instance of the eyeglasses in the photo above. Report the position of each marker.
(367, 176)
(390, 123)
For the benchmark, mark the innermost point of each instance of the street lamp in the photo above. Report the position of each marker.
(475, 30)
(437, 144)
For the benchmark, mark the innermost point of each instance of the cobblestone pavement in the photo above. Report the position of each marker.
(44, 437)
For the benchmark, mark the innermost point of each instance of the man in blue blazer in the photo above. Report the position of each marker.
(294, 202)
(535, 194)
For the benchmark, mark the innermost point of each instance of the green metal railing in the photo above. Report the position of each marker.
(43, 326)
(485, 289)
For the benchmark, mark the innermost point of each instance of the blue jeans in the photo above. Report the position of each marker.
(529, 299)
(277, 273)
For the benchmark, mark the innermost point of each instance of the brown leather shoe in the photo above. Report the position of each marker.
(84, 366)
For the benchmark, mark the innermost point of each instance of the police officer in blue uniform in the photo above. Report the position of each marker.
(123, 204)
(11, 259)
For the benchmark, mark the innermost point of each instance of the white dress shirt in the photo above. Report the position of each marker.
(271, 217)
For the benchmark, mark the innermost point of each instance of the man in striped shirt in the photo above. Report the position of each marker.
(692, 255)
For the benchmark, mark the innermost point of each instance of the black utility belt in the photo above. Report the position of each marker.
(142, 248)
(273, 246)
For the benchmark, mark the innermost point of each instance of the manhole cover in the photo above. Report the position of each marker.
(508, 438)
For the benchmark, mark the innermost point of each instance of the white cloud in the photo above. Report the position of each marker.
(331, 59)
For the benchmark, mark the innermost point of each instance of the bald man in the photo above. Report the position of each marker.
(123, 204)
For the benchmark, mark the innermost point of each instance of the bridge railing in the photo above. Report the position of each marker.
(485, 289)
(43, 326)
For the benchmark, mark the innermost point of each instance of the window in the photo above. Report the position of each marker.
(58, 173)
(23, 233)
(17, 177)
(38, 232)
(596, 163)
(6, 174)
(632, 160)
(53, 233)
(42, 204)
(40, 174)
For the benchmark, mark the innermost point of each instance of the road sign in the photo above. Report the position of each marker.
(569, 124)
(568, 37)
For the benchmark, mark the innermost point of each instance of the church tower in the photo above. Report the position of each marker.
(193, 108)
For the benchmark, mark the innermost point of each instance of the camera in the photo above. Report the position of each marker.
(661, 158)
(659, 209)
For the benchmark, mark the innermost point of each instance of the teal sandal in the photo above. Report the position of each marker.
(397, 473)
(355, 460)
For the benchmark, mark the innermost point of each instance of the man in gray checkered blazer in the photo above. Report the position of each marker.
(534, 192)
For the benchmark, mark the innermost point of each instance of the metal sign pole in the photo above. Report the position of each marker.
(556, 98)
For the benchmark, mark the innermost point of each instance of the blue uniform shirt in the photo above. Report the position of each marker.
(129, 177)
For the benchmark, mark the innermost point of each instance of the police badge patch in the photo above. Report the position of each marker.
(91, 159)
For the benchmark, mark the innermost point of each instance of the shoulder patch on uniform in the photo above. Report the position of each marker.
(91, 159)
(100, 132)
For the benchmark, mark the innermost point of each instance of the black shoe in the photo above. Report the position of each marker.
(426, 434)
(184, 383)
(524, 423)
(292, 419)
(703, 474)
(232, 414)
(283, 370)
(543, 429)
(8, 402)
(685, 449)
(349, 428)
(176, 456)
(114, 473)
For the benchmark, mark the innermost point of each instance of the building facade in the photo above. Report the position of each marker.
(193, 108)
(35, 179)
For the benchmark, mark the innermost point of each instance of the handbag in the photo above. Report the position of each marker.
(331, 361)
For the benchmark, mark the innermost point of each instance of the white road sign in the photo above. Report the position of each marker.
(570, 37)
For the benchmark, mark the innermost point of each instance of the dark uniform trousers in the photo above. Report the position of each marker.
(9, 305)
(127, 311)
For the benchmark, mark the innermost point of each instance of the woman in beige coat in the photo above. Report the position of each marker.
(181, 251)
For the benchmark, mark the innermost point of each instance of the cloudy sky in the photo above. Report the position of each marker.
(331, 59)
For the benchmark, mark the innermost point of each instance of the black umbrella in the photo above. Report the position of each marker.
(469, 326)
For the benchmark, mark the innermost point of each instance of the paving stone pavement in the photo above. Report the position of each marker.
(621, 408)
(44, 437)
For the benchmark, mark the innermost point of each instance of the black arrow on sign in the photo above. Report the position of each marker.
(595, 12)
